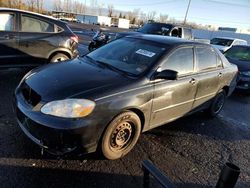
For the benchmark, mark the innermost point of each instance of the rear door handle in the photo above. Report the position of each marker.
(220, 74)
(192, 81)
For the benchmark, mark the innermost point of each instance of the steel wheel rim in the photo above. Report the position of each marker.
(122, 136)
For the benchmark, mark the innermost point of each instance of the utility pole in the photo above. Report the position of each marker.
(185, 19)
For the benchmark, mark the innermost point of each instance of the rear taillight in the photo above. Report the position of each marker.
(74, 38)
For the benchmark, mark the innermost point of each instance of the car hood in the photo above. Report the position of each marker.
(242, 65)
(73, 78)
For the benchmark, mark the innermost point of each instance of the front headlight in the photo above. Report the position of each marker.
(247, 73)
(69, 108)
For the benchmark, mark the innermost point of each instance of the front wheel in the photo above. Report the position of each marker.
(217, 104)
(121, 135)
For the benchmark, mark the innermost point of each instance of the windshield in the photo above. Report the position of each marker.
(239, 53)
(157, 29)
(129, 55)
(221, 42)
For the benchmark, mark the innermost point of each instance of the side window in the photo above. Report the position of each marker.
(7, 22)
(206, 58)
(181, 60)
(29, 24)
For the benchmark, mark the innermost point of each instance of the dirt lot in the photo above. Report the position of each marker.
(191, 151)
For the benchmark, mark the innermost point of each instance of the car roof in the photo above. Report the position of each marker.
(29, 12)
(230, 38)
(174, 41)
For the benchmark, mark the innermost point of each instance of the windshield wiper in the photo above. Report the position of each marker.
(111, 67)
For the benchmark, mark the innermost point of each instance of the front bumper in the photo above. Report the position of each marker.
(243, 82)
(53, 135)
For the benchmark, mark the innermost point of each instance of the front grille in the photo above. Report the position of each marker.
(30, 95)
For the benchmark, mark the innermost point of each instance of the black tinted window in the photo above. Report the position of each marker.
(181, 61)
(206, 58)
(157, 29)
(6, 22)
(221, 41)
(29, 24)
(239, 53)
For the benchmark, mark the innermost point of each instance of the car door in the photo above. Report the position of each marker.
(210, 73)
(8, 39)
(36, 39)
(174, 98)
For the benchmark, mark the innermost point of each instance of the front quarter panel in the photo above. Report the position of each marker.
(135, 98)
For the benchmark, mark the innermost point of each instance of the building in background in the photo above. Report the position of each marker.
(96, 20)
(120, 22)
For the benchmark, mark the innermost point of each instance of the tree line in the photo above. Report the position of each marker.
(31, 5)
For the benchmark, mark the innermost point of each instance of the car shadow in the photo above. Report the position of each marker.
(41, 176)
(201, 124)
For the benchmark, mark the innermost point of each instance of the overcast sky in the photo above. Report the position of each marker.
(229, 13)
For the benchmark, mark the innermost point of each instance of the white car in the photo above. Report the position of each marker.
(224, 43)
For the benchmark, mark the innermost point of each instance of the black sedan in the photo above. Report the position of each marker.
(30, 39)
(107, 98)
(240, 56)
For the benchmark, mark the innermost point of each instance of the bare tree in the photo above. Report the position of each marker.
(31, 4)
(57, 5)
(67, 5)
(151, 16)
(163, 18)
(39, 6)
(100, 9)
(110, 10)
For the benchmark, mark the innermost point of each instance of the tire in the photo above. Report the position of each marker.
(121, 135)
(91, 47)
(217, 104)
(58, 58)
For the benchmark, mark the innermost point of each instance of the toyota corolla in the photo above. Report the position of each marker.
(107, 98)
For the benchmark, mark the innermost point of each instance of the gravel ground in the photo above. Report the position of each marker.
(190, 151)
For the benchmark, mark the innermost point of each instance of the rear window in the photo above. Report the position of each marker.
(7, 22)
(206, 58)
(29, 24)
(221, 42)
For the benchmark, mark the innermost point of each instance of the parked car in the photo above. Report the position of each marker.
(155, 28)
(224, 43)
(240, 56)
(111, 95)
(30, 39)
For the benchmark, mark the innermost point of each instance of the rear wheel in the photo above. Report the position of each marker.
(58, 58)
(121, 135)
(217, 104)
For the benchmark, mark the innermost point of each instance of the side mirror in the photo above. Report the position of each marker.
(166, 75)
